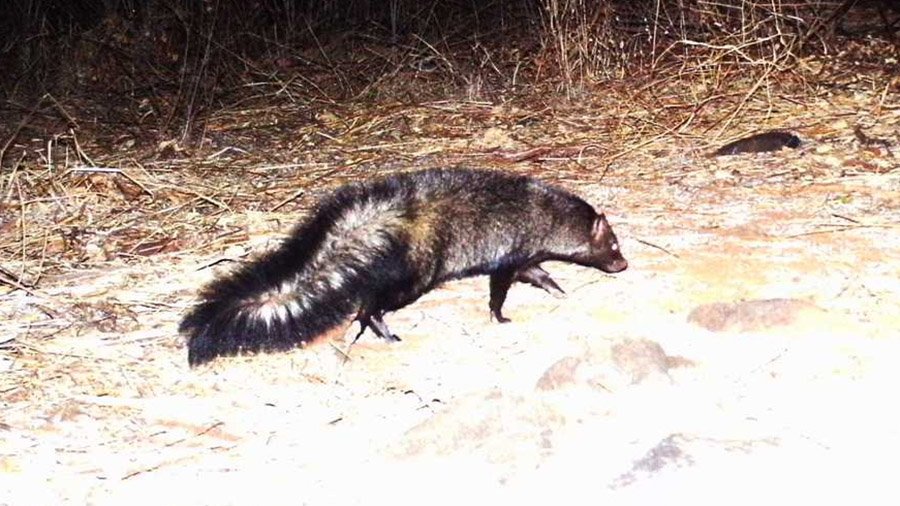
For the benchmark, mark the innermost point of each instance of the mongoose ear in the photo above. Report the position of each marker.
(598, 230)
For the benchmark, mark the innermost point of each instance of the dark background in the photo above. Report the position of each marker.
(168, 63)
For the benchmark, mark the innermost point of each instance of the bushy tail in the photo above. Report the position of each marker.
(259, 308)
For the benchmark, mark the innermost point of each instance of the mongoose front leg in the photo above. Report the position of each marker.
(500, 283)
(539, 278)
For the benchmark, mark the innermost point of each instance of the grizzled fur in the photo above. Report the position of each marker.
(376, 246)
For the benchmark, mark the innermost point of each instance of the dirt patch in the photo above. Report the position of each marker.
(608, 393)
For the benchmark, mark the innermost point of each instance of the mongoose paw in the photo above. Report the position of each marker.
(499, 317)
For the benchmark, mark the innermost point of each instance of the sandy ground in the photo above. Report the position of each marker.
(546, 408)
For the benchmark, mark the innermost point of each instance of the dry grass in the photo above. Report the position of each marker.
(99, 405)
(74, 205)
(113, 213)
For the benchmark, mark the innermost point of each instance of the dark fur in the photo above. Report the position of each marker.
(376, 246)
(759, 143)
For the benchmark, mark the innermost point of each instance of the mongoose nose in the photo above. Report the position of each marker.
(614, 266)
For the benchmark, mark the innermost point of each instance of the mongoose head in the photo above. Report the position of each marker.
(604, 252)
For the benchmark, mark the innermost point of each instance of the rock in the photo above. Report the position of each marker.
(563, 372)
(640, 359)
(760, 143)
(678, 451)
(667, 453)
(626, 362)
(750, 315)
(499, 426)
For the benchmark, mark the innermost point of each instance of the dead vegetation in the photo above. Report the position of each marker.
(140, 142)
(132, 132)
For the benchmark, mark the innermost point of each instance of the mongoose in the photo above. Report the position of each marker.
(376, 246)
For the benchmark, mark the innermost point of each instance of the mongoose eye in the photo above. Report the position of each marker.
(614, 246)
